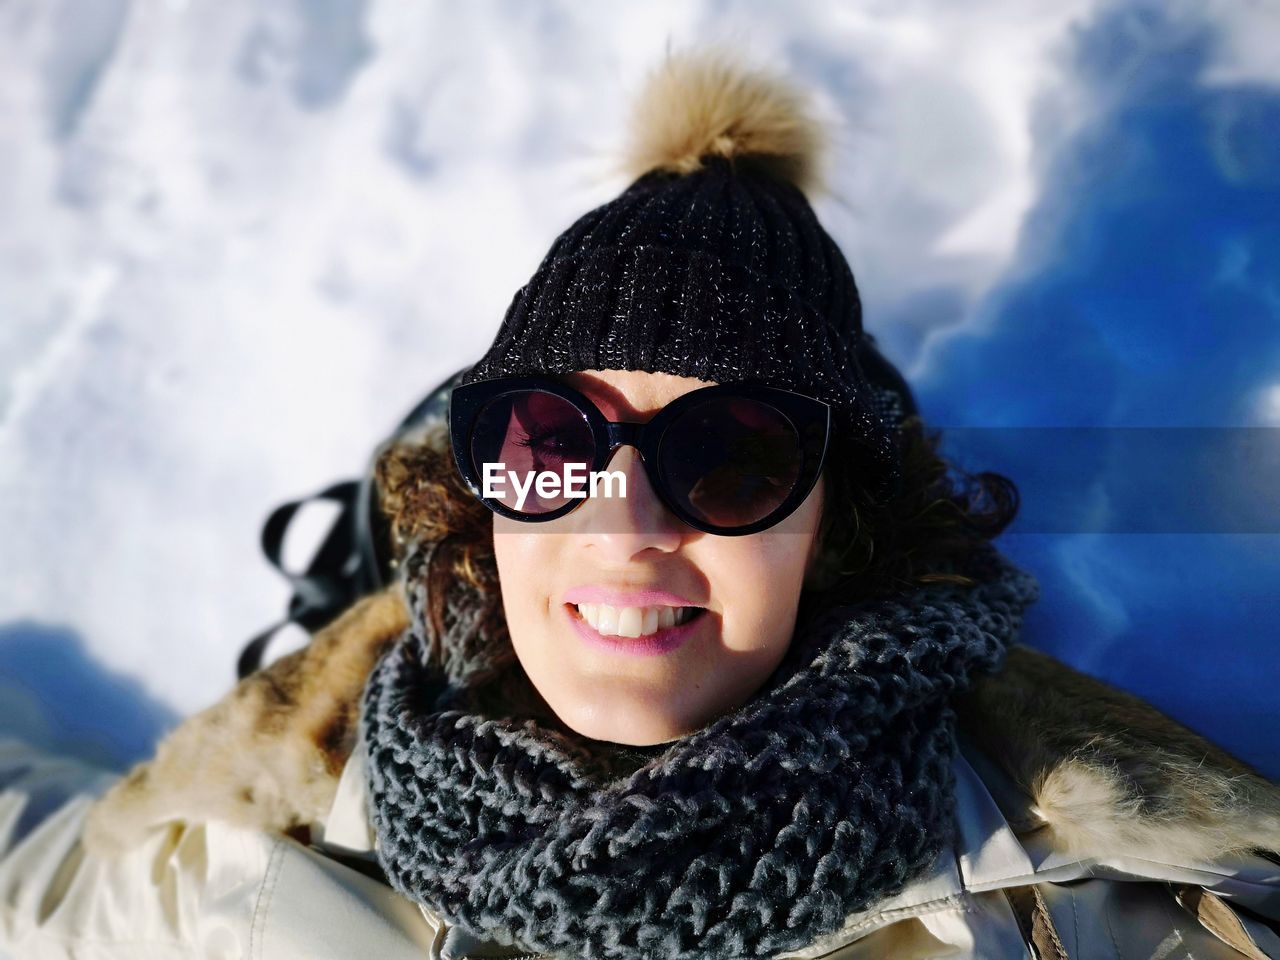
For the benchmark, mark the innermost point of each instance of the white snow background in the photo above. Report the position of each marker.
(239, 241)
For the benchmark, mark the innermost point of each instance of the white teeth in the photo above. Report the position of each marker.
(633, 621)
(606, 619)
(630, 620)
(650, 623)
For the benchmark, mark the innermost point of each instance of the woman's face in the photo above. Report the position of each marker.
(615, 553)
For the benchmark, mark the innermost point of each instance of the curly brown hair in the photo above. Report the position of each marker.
(922, 535)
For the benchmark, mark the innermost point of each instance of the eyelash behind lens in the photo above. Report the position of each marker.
(533, 440)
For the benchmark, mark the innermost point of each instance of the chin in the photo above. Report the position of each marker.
(631, 725)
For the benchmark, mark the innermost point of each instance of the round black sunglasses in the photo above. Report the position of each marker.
(729, 459)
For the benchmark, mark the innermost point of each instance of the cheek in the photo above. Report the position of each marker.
(758, 583)
(759, 577)
(780, 560)
(520, 555)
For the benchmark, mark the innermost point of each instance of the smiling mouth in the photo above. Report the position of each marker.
(634, 621)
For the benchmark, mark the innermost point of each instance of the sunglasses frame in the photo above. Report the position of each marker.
(810, 417)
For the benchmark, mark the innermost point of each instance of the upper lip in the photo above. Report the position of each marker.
(626, 597)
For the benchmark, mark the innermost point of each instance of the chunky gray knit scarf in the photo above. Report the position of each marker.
(827, 791)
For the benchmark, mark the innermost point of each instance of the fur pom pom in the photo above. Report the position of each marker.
(701, 102)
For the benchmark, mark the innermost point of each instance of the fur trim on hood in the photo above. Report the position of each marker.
(1104, 772)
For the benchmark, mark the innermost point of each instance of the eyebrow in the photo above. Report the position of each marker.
(613, 399)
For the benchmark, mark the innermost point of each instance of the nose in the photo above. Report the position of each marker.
(618, 528)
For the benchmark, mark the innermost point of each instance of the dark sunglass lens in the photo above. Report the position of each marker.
(523, 437)
(731, 461)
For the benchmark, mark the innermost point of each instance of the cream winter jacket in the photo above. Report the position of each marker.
(1088, 826)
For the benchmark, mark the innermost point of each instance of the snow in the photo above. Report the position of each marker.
(240, 241)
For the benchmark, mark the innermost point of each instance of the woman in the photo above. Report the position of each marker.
(762, 698)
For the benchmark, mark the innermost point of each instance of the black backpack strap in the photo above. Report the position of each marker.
(354, 558)
(320, 593)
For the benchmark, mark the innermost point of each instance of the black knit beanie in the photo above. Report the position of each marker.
(712, 264)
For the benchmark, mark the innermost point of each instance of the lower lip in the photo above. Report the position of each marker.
(664, 640)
